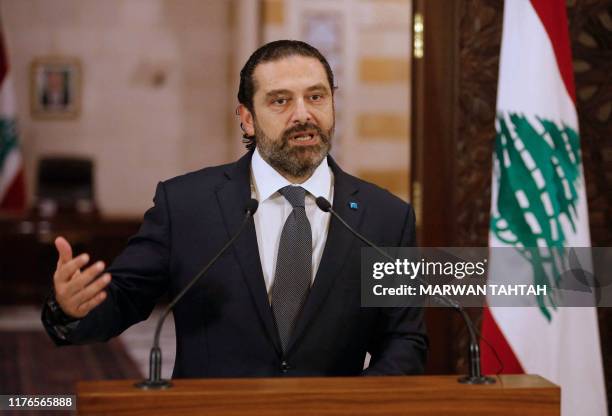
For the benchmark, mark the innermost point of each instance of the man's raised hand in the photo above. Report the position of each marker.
(78, 290)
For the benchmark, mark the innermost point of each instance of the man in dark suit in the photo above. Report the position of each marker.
(285, 300)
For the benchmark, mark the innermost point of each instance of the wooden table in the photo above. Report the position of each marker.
(29, 257)
(412, 395)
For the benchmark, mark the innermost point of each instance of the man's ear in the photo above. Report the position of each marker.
(246, 120)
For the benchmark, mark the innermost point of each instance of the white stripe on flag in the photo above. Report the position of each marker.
(11, 167)
(529, 79)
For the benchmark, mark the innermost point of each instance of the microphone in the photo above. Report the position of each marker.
(155, 382)
(475, 376)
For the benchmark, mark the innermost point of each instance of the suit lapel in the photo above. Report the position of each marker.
(232, 197)
(337, 247)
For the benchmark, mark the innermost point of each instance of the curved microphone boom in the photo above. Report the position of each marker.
(155, 382)
(475, 376)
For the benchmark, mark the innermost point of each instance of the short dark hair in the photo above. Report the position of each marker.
(269, 52)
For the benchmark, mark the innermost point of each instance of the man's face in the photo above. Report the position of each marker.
(55, 81)
(294, 115)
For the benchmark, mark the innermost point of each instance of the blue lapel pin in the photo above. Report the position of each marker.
(353, 205)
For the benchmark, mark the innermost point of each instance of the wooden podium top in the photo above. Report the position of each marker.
(409, 395)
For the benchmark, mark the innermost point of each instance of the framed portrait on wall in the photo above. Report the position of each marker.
(55, 88)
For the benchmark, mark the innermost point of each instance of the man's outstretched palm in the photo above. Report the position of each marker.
(78, 291)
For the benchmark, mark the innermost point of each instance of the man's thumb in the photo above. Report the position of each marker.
(64, 249)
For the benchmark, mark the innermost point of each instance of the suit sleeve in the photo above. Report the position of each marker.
(399, 345)
(139, 279)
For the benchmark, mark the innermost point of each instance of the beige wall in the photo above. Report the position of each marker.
(136, 130)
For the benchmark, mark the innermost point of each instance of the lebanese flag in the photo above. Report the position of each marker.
(538, 200)
(12, 182)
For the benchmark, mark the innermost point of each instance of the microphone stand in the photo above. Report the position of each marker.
(155, 382)
(475, 375)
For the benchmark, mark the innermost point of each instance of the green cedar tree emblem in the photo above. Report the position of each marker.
(8, 137)
(537, 171)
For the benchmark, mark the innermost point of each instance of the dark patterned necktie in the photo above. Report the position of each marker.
(293, 265)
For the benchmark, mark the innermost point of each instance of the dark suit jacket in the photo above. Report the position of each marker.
(224, 325)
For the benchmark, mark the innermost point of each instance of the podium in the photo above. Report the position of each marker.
(406, 395)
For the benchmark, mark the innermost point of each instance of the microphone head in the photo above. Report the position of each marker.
(323, 204)
(251, 206)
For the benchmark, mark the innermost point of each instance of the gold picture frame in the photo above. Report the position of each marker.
(55, 88)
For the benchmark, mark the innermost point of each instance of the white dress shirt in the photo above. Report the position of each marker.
(274, 209)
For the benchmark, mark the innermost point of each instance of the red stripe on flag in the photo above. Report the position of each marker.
(15, 197)
(553, 16)
(494, 336)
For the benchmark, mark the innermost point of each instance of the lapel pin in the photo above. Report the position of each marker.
(353, 205)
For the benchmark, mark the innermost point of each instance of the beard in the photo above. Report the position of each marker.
(297, 161)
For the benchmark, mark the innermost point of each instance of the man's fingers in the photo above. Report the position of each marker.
(84, 308)
(65, 271)
(82, 279)
(64, 249)
(92, 290)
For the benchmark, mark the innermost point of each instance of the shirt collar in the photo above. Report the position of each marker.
(267, 181)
